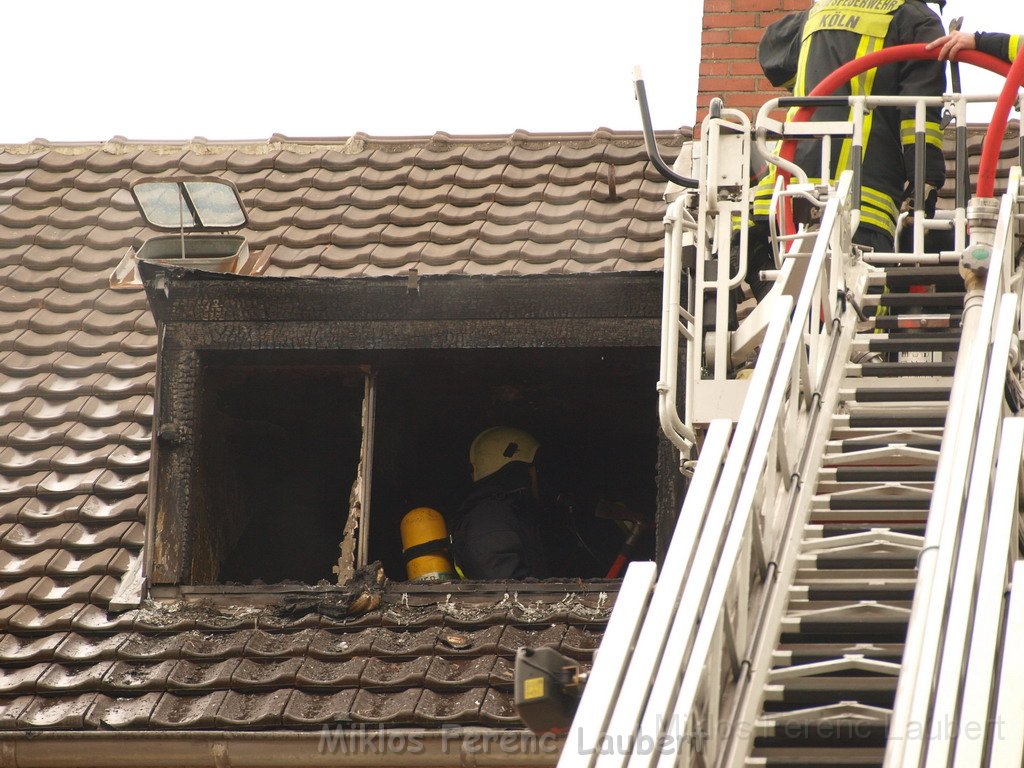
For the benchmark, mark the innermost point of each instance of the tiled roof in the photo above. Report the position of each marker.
(525, 204)
(401, 664)
(77, 362)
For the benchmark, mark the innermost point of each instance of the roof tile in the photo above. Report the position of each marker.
(17, 565)
(47, 321)
(285, 180)
(459, 673)
(21, 680)
(503, 672)
(314, 673)
(78, 648)
(30, 648)
(30, 197)
(102, 511)
(265, 673)
(247, 161)
(110, 159)
(152, 161)
(20, 218)
(276, 645)
(477, 156)
(56, 713)
(199, 645)
(200, 675)
(394, 674)
(110, 561)
(87, 199)
(469, 642)
(12, 708)
(97, 181)
(369, 197)
(391, 707)
(187, 710)
(55, 180)
(122, 712)
(498, 708)
(67, 678)
(314, 709)
(203, 163)
(39, 511)
(93, 618)
(126, 676)
(141, 646)
(57, 160)
(17, 160)
(31, 280)
(461, 707)
(253, 709)
(471, 177)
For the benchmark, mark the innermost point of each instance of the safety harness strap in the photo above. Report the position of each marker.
(426, 548)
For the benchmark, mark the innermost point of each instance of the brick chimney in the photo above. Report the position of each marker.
(728, 52)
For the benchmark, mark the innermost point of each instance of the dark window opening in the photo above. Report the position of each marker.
(594, 412)
(278, 449)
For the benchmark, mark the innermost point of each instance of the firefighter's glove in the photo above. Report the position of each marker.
(931, 199)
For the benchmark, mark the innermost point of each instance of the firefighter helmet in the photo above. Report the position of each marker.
(495, 447)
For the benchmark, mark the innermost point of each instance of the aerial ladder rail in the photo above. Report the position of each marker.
(675, 678)
(663, 705)
(955, 645)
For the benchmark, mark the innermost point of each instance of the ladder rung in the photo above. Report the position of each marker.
(916, 322)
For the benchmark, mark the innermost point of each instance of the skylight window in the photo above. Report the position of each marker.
(197, 205)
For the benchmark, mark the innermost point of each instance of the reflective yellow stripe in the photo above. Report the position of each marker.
(1014, 48)
(879, 200)
(869, 86)
(800, 86)
(907, 131)
(857, 85)
(876, 219)
(933, 133)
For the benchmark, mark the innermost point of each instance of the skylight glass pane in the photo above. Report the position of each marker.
(162, 205)
(216, 204)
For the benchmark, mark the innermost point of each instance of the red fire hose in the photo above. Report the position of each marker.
(994, 136)
(996, 129)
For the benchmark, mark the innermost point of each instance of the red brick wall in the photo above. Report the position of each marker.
(728, 55)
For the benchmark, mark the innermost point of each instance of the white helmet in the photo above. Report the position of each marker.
(495, 447)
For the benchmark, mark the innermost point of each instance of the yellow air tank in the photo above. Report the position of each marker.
(425, 545)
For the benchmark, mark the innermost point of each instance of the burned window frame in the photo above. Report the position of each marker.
(199, 313)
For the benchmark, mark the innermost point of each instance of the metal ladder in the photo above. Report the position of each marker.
(774, 633)
(830, 680)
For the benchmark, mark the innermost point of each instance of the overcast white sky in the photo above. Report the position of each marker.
(231, 70)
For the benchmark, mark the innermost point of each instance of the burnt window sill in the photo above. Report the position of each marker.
(394, 592)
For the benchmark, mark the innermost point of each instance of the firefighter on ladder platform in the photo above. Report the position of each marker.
(799, 51)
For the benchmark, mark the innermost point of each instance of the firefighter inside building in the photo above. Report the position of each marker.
(506, 528)
(804, 47)
(496, 533)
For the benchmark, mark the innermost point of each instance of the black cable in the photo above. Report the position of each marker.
(652, 148)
